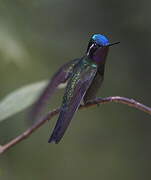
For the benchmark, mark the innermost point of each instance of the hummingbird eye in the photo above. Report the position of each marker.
(93, 44)
(92, 48)
(98, 45)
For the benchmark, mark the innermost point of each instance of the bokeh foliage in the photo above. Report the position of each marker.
(109, 142)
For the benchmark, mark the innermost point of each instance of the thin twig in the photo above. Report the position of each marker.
(117, 99)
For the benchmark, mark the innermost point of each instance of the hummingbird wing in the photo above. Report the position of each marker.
(61, 76)
(75, 91)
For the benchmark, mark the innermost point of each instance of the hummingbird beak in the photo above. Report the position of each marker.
(113, 43)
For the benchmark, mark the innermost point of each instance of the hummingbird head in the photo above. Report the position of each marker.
(98, 48)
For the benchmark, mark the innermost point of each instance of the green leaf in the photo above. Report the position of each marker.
(20, 99)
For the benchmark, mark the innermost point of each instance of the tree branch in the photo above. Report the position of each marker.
(117, 99)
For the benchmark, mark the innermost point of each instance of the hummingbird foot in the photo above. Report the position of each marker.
(92, 101)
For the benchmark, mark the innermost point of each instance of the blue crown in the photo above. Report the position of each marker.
(100, 39)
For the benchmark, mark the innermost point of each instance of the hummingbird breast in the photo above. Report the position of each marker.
(94, 87)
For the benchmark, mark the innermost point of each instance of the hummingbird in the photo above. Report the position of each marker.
(84, 77)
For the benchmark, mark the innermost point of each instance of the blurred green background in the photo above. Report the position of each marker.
(109, 142)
